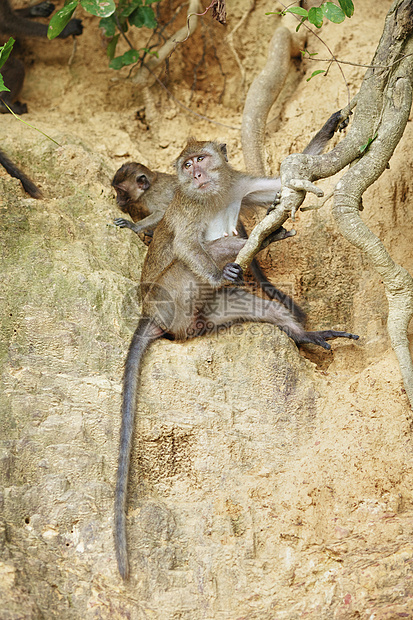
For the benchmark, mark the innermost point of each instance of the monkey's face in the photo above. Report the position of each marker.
(200, 174)
(127, 193)
(197, 171)
(130, 183)
(202, 170)
(130, 190)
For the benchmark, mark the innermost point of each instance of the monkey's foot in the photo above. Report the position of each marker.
(17, 107)
(319, 338)
(278, 235)
(43, 9)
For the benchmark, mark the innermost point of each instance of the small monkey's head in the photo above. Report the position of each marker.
(203, 169)
(130, 182)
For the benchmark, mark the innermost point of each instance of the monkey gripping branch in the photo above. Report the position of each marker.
(382, 111)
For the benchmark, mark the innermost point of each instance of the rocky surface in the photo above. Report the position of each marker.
(267, 482)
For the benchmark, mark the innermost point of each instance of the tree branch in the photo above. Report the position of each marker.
(144, 75)
(265, 89)
(383, 107)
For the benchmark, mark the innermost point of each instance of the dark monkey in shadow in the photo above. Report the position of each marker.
(19, 24)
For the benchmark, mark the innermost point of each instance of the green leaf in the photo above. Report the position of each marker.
(5, 52)
(143, 16)
(347, 6)
(111, 48)
(333, 12)
(315, 73)
(364, 148)
(128, 58)
(305, 52)
(3, 87)
(302, 20)
(131, 7)
(108, 25)
(60, 19)
(315, 16)
(297, 10)
(116, 63)
(100, 8)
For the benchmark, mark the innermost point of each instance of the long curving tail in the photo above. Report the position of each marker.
(145, 333)
(15, 172)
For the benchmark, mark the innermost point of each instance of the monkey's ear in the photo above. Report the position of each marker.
(143, 182)
(223, 148)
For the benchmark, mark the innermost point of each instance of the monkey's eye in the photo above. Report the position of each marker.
(200, 157)
(187, 164)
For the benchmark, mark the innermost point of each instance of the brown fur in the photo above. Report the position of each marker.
(183, 290)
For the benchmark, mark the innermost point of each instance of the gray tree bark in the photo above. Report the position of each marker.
(383, 107)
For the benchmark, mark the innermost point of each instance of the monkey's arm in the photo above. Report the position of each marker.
(148, 223)
(194, 255)
(260, 191)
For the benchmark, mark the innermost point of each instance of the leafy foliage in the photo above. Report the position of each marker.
(4, 54)
(116, 19)
(316, 15)
(137, 13)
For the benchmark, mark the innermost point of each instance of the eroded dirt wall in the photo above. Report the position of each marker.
(266, 482)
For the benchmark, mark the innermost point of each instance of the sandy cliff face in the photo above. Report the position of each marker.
(266, 482)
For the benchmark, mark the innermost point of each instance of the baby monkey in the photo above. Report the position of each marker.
(144, 194)
(184, 284)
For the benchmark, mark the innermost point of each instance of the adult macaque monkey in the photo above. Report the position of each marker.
(145, 194)
(18, 23)
(188, 263)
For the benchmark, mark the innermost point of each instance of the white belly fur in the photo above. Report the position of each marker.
(224, 223)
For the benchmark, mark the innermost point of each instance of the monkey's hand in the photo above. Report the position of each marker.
(233, 272)
(122, 223)
(74, 27)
